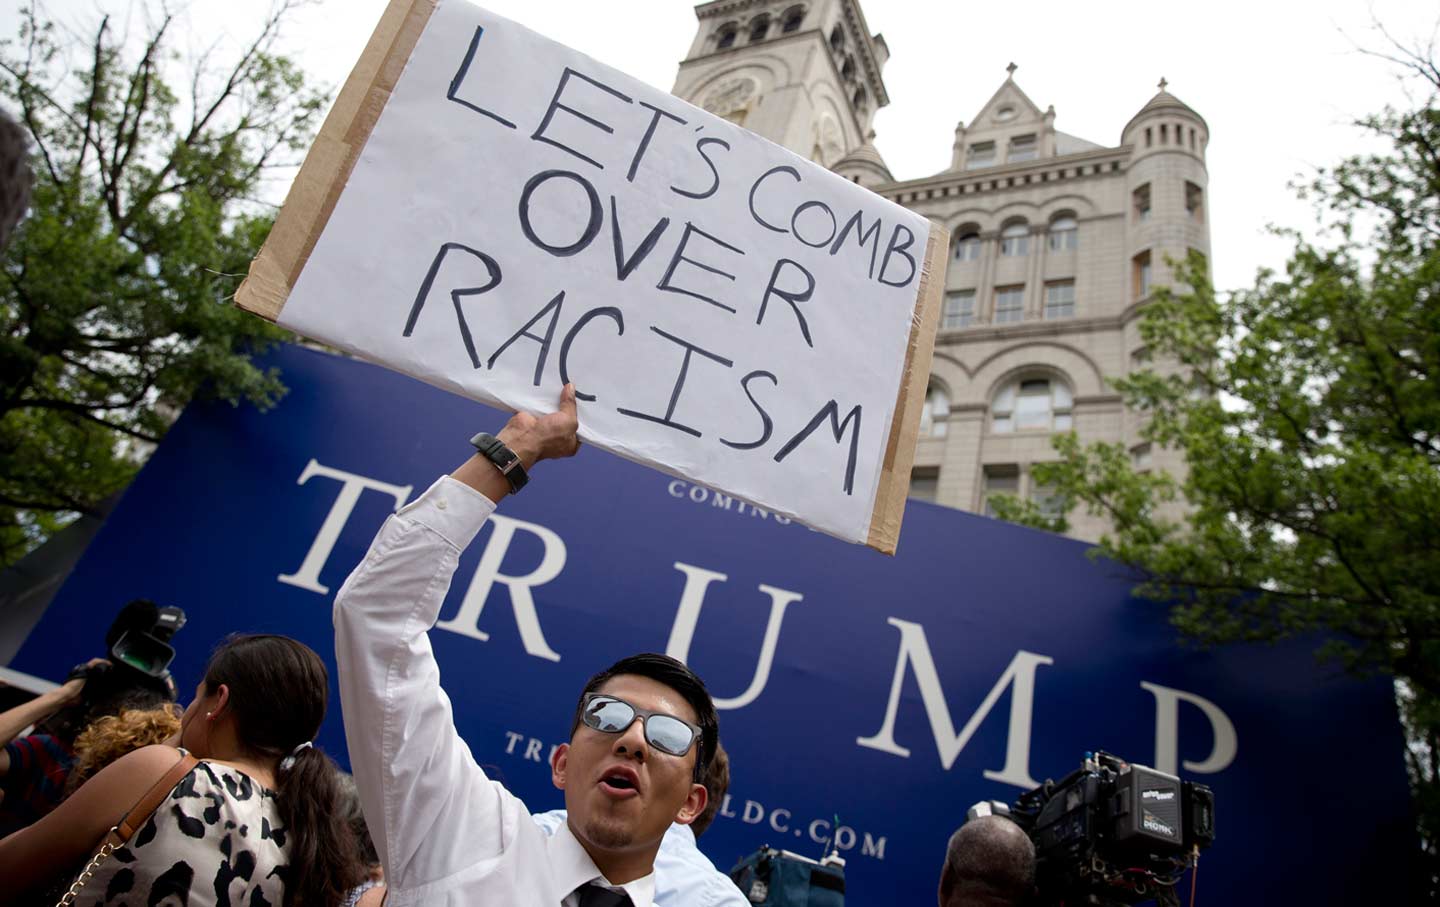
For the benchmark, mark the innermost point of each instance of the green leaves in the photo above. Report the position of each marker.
(114, 307)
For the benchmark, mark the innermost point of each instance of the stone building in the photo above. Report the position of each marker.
(1056, 241)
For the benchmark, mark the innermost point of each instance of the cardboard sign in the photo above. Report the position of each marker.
(495, 214)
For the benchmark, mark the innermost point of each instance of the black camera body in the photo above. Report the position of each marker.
(138, 650)
(1113, 832)
(139, 639)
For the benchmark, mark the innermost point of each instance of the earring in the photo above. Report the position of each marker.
(209, 715)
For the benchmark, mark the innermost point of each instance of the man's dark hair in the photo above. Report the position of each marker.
(15, 176)
(717, 782)
(108, 691)
(990, 863)
(675, 675)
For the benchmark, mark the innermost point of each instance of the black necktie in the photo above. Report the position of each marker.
(598, 896)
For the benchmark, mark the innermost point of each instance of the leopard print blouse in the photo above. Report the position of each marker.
(216, 841)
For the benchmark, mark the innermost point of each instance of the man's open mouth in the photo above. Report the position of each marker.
(619, 783)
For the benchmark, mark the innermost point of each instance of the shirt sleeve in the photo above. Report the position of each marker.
(23, 765)
(430, 808)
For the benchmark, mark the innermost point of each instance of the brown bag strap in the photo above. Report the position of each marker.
(145, 807)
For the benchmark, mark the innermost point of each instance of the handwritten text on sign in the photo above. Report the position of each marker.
(522, 216)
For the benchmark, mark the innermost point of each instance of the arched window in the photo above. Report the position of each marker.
(759, 28)
(1015, 240)
(1032, 404)
(967, 245)
(1064, 234)
(837, 37)
(793, 17)
(727, 36)
(848, 70)
(860, 99)
(936, 411)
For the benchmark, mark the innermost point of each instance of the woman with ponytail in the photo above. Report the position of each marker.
(257, 821)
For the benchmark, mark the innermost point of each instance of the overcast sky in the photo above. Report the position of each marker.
(1278, 82)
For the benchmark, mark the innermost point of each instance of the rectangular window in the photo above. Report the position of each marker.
(1003, 479)
(982, 154)
(924, 483)
(1141, 199)
(1064, 235)
(1194, 202)
(1192, 138)
(1009, 304)
(1015, 241)
(1052, 504)
(1141, 277)
(967, 247)
(1060, 299)
(1164, 134)
(1023, 148)
(1033, 406)
(1147, 136)
(1141, 457)
(959, 309)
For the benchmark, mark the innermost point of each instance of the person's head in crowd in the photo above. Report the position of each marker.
(265, 696)
(111, 689)
(354, 817)
(15, 176)
(717, 783)
(112, 736)
(643, 734)
(990, 862)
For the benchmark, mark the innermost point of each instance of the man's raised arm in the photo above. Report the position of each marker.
(431, 810)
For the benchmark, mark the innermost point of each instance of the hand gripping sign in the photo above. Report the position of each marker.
(496, 214)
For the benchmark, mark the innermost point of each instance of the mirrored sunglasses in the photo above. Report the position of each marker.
(612, 715)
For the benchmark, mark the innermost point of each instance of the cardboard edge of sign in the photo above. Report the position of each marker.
(893, 489)
(332, 156)
(342, 137)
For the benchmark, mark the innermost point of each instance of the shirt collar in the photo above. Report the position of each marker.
(573, 867)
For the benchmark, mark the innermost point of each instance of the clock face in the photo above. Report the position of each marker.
(730, 96)
(1005, 113)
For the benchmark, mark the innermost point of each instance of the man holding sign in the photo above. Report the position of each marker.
(447, 834)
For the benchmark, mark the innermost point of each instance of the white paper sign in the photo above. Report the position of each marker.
(522, 215)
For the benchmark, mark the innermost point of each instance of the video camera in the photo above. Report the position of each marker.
(138, 641)
(1112, 832)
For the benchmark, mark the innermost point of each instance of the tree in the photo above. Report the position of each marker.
(113, 306)
(1308, 411)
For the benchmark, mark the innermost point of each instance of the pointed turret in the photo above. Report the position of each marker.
(1167, 181)
(1168, 123)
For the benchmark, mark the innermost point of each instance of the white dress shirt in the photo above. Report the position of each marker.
(448, 835)
(684, 877)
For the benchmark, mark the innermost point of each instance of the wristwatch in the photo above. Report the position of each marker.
(505, 459)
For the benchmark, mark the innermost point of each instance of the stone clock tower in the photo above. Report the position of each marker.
(804, 75)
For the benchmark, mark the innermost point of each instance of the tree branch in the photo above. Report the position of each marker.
(237, 76)
(83, 412)
(62, 502)
(139, 84)
(96, 80)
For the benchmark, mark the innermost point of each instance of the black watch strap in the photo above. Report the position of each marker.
(505, 459)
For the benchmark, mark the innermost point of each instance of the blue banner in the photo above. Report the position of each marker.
(864, 699)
